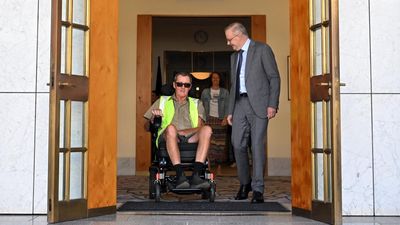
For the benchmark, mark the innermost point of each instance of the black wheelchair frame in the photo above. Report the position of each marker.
(160, 181)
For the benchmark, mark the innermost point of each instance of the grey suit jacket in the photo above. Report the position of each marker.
(261, 77)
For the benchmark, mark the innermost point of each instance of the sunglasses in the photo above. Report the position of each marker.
(180, 84)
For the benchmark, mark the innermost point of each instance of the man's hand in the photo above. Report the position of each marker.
(229, 119)
(224, 122)
(271, 112)
(155, 112)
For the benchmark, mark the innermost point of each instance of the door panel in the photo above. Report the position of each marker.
(314, 24)
(103, 94)
(68, 124)
(300, 107)
(83, 92)
(321, 116)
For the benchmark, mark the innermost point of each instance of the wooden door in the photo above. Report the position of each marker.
(315, 117)
(83, 109)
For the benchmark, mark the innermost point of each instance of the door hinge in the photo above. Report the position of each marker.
(52, 71)
(51, 84)
(49, 205)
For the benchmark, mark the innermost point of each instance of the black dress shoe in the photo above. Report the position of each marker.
(198, 183)
(257, 197)
(182, 182)
(243, 192)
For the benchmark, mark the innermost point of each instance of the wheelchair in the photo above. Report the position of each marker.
(160, 179)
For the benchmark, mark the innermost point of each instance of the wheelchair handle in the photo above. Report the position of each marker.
(157, 122)
(155, 125)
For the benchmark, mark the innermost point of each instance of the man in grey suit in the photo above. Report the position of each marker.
(253, 101)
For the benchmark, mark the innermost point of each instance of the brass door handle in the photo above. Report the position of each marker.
(329, 84)
(324, 84)
(66, 84)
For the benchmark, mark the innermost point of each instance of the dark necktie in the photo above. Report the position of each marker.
(239, 65)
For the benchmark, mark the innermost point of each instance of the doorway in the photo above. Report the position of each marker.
(148, 64)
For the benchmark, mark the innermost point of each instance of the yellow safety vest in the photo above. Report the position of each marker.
(168, 109)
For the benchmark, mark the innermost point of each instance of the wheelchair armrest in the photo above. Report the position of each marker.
(154, 127)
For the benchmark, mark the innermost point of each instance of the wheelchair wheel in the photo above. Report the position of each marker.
(212, 192)
(157, 187)
(152, 178)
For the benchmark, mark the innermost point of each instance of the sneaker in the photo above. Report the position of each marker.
(233, 165)
(182, 182)
(198, 183)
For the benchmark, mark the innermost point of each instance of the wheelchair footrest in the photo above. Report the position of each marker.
(187, 191)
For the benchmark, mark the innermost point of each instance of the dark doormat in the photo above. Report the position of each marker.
(203, 206)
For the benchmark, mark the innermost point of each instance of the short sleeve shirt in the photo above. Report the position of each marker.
(214, 102)
(181, 118)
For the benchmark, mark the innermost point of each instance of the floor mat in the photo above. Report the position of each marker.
(136, 188)
(202, 206)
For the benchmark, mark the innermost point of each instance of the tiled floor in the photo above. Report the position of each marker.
(135, 188)
(208, 219)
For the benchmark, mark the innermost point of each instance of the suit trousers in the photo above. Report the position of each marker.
(245, 123)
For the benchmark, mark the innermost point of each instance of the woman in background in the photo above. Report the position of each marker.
(215, 101)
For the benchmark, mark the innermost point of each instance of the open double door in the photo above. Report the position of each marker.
(83, 109)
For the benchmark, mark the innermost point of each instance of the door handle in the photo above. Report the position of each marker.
(329, 84)
(324, 84)
(66, 84)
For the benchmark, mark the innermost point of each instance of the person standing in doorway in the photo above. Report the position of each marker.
(215, 102)
(253, 101)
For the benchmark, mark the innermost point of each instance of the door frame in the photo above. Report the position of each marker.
(336, 128)
(300, 120)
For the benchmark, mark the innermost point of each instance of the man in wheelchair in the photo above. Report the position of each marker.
(183, 121)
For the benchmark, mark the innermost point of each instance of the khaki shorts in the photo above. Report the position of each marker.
(181, 138)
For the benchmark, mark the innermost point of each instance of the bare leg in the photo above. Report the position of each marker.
(203, 137)
(171, 138)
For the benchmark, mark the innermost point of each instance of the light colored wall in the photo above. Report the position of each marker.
(277, 13)
(370, 120)
(369, 56)
(24, 98)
